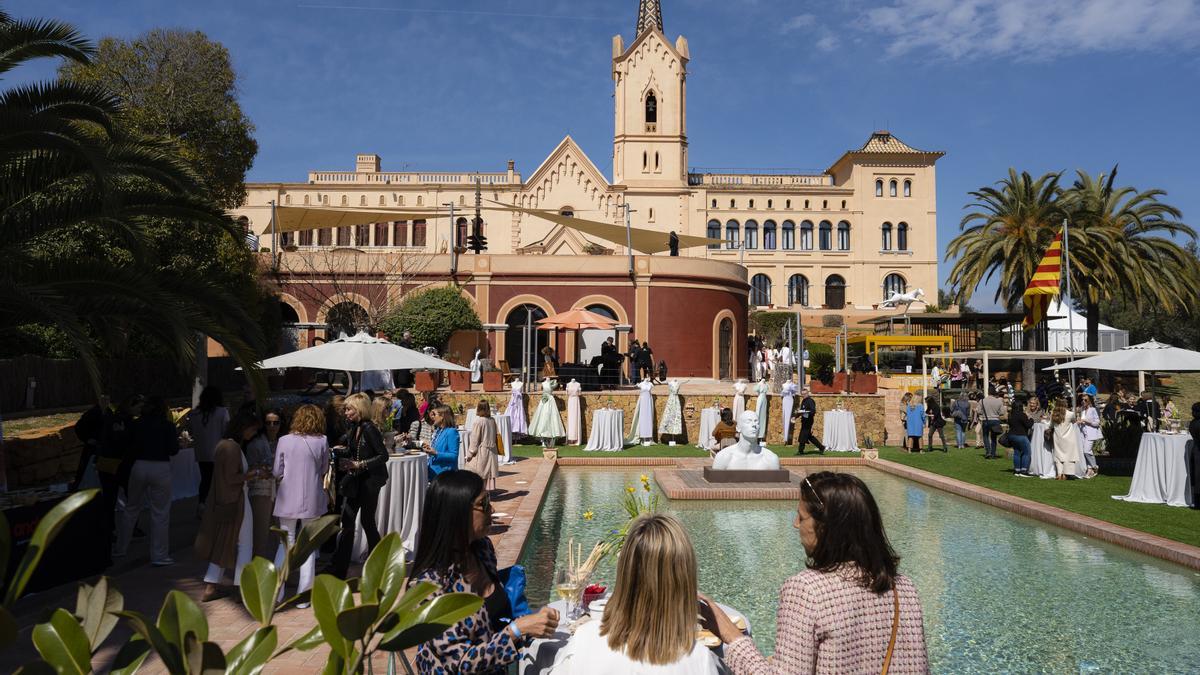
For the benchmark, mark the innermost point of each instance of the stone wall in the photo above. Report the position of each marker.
(41, 457)
(868, 410)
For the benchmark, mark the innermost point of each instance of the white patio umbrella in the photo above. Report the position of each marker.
(357, 354)
(1148, 356)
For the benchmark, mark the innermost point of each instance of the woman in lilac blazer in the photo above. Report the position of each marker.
(301, 462)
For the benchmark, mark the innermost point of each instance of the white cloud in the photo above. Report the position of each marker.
(1035, 29)
(827, 43)
(797, 22)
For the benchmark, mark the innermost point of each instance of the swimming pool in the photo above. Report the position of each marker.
(1000, 593)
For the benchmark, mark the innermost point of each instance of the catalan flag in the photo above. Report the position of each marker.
(1044, 284)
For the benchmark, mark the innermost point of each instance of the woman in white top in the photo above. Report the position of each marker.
(1089, 425)
(1066, 441)
(649, 624)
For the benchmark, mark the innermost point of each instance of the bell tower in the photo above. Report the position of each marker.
(650, 99)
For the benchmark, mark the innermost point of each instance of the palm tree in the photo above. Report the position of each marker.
(69, 174)
(1123, 247)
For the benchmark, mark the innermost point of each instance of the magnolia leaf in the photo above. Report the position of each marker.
(179, 616)
(63, 644)
(330, 596)
(431, 620)
(171, 655)
(131, 657)
(355, 622)
(95, 607)
(250, 655)
(259, 586)
(203, 658)
(383, 573)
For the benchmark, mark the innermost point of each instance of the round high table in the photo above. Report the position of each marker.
(709, 417)
(606, 433)
(1041, 458)
(539, 657)
(503, 425)
(840, 433)
(1163, 473)
(400, 500)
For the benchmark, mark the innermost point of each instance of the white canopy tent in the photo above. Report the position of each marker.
(1152, 356)
(1066, 333)
(986, 355)
(356, 354)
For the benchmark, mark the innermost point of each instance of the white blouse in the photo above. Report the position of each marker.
(588, 653)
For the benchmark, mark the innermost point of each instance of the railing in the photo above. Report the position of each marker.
(388, 177)
(780, 177)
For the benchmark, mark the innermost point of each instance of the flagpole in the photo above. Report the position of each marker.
(1070, 314)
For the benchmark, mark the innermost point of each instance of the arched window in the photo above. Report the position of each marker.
(645, 160)
(798, 290)
(805, 203)
(787, 204)
(825, 235)
(902, 237)
(751, 235)
(769, 235)
(893, 283)
(732, 204)
(346, 317)
(886, 242)
(518, 320)
(760, 290)
(770, 203)
(656, 161)
(843, 236)
(751, 203)
(345, 200)
(843, 204)
(806, 236)
(306, 200)
(835, 292)
(878, 187)
(714, 204)
(714, 232)
(362, 200)
(287, 199)
(732, 234)
(460, 232)
(420, 200)
(908, 188)
(789, 235)
(591, 341)
(382, 201)
(892, 188)
(651, 109)
(824, 204)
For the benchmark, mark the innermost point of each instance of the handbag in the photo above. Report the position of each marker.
(513, 579)
(887, 658)
(1004, 440)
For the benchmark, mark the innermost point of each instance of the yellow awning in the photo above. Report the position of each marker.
(296, 218)
(646, 241)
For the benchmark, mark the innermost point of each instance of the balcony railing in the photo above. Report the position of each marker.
(409, 178)
(777, 177)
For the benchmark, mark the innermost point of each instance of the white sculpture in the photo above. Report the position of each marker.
(906, 299)
(747, 453)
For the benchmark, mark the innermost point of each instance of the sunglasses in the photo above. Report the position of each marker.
(814, 491)
(484, 504)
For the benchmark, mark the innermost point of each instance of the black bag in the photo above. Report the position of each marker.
(1004, 440)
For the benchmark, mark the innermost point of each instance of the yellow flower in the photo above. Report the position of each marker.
(645, 478)
(629, 490)
(588, 515)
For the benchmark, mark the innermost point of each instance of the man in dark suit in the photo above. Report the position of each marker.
(1149, 410)
(807, 412)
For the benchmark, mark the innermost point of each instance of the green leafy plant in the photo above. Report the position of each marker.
(431, 316)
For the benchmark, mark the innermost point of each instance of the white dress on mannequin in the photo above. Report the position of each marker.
(642, 426)
(739, 398)
(574, 418)
(516, 408)
(762, 406)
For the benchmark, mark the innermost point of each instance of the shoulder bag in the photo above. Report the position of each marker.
(887, 658)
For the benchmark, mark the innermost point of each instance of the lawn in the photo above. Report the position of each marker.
(1089, 497)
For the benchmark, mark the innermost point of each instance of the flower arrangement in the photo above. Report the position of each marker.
(634, 502)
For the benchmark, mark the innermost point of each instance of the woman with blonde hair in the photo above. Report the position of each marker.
(649, 625)
(301, 462)
(482, 447)
(362, 465)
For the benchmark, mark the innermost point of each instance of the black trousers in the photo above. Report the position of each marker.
(806, 437)
(206, 472)
(363, 503)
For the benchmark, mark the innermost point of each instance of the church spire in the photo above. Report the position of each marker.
(649, 16)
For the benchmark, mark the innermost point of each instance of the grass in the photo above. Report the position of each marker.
(1089, 497)
(24, 424)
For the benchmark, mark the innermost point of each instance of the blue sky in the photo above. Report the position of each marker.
(1037, 84)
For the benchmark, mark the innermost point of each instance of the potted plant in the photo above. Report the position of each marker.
(425, 380)
(493, 379)
(460, 380)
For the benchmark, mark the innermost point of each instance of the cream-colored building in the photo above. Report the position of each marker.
(835, 242)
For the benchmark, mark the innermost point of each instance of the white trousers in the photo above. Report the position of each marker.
(309, 567)
(245, 549)
(150, 488)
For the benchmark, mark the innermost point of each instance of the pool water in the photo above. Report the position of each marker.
(1000, 593)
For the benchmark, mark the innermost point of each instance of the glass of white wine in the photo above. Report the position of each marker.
(567, 588)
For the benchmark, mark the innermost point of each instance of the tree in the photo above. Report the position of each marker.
(1123, 247)
(431, 316)
(70, 176)
(179, 84)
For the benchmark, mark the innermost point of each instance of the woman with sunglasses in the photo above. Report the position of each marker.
(850, 611)
(455, 554)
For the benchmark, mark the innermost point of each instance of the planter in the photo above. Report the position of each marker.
(819, 387)
(550, 453)
(424, 380)
(864, 383)
(493, 380)
(460, 380)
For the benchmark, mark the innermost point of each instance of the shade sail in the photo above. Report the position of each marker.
(296, 218)
(646, 241)
(357, 354)
(1149, 356)
(577, 319)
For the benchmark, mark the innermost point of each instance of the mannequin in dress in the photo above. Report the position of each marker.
(789, 401)
(642, 427)
(477, 367)
(739, 398)
(574, 418)
(516, 407)
(671, 423)
(762, 406)
(747, 453)
(547, 423)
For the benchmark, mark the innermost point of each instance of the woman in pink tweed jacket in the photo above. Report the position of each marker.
(837, 615)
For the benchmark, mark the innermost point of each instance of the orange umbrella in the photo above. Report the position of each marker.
(577, 319)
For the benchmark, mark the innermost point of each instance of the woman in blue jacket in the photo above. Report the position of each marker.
(914, 422)
(445, 445)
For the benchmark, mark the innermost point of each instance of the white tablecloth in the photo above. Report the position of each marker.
(709, 417)
(840, 434)
(185, 474)
(1041, 458)
(503, 425)
(1163, 472)
(540, 655)
(607, 433)
(399, 508)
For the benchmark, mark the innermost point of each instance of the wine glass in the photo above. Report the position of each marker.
(567, 588)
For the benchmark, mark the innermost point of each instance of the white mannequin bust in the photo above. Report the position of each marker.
(747, 453)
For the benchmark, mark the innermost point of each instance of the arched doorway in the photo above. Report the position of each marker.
(835, 292)
(517, 320)
(289, 334)
(346, 317)
(591, 339)
(725, 347)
